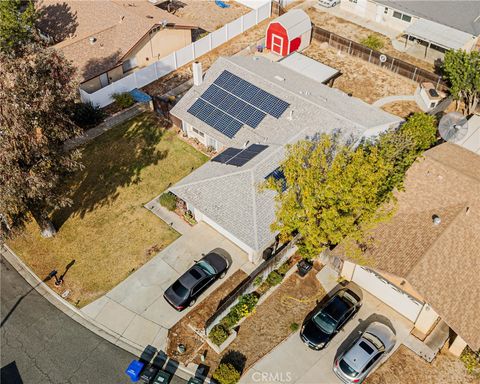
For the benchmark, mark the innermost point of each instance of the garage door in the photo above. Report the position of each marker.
(388, 293)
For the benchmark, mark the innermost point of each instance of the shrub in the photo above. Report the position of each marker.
(218, 334)
(274, 278)
(294, 327)
(245, 306)
(226, 373)
(189, 218)
(284, 268)
(123, 100)
(86, 115)
(373, 42)
(168, 200)
(471, 360)
(258, 280)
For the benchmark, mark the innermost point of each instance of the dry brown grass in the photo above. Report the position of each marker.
(208, 16)
(357, 33)
(404, 366)
(107, 231)
(401, 108)
(366, 81)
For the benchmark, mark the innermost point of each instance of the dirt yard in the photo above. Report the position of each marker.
(402, 108)
(404, 366)
(206, 14)
(360, 78)
(230, 48)
(357, 33)
(288, 304)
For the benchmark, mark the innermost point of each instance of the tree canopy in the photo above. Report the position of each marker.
(462, 70)
(36, 90)
(332, 191)
(17, 25)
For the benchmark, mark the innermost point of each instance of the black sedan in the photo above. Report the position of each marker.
(184, 292)
(326, 320)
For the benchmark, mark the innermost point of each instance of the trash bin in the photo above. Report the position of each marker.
(162, 377)
(148, 374)
(195, 380)
(304, 267)
(134, 369)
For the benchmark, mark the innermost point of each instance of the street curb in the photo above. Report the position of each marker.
(74, 313)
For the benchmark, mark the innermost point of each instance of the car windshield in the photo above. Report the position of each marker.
(207, 268)
(179, 289)
(326, 323)
(349, 371)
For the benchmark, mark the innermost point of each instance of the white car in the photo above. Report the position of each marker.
(328, 3)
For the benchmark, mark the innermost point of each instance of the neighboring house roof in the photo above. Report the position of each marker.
(116, 25)
(228, 194)
(461, 15)
(441, 35)
(441, 261)
(471, 141)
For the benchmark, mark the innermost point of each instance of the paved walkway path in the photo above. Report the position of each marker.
(390, 99)
(171, 218)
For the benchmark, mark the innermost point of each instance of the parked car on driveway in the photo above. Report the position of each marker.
(328, 3)
(327, 319)
(188, 287)
(357, 361)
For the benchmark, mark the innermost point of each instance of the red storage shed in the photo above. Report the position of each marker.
(288, 33)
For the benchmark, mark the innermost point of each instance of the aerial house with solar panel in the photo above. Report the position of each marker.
(248, 109)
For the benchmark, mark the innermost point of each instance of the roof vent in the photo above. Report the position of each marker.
(149, 17)
(467, 210)
(279, 78)
(436, 219)
(92, 40)
(290, 116)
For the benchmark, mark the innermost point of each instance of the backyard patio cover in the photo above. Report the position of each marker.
(438, 34)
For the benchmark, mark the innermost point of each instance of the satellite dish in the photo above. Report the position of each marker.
(453, 127)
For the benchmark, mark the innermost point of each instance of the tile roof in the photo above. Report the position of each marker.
(117, 25)
(441, 262)
(229, 195)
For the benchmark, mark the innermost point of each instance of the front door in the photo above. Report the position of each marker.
(277, 44)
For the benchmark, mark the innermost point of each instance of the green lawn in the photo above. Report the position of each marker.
(107, 231)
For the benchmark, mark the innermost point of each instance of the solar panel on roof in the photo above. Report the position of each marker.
(247, 154)
(230, 102)
(226, 155)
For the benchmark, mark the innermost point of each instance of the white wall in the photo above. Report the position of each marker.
(154, 71)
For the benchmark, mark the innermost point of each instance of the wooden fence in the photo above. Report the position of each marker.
(393, 64)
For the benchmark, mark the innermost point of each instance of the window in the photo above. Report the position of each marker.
(402, 16)
(385, 10)
(199, 133)
(354, 1)
(129, 64)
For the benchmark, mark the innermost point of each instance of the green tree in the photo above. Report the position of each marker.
(400, 148)
(462, 70)
(17, 24)
(36, 89)
(333, 191)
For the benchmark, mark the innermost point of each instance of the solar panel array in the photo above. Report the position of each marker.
(230, 102)
(239, 157)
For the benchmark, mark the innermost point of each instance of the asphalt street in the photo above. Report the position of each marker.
(42, 345)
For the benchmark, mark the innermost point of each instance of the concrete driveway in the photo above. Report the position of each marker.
(293, 362)
(136, 309)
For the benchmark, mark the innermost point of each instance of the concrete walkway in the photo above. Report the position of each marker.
(171, 218)
(136, 309)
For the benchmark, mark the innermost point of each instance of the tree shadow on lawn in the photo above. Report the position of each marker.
(113, 160)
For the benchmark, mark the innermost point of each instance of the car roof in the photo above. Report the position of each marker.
(337, 306)
(360, 354)
(190, 278)
(383, 333)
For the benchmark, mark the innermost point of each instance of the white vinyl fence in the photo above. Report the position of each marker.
(175, 60)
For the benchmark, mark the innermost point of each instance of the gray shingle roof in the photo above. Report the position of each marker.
(230, 195)
(461, 15)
